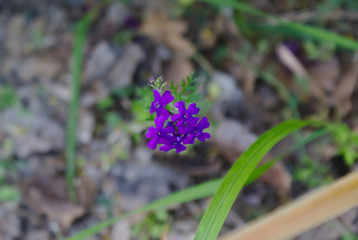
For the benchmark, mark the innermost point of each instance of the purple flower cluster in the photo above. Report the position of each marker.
(175, 130)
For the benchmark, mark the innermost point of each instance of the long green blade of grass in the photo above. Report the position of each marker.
(239, 173)
(314, 32)
(76, 73)
(192, 193)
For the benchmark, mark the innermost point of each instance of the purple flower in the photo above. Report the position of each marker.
(175, 143)
(160, 102)
(180, 129)
(159, 134)
(195, 131)
(184, 117)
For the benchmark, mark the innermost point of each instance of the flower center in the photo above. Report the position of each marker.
(156, 104)
(195, 132)
(185, 115)
(178, 139)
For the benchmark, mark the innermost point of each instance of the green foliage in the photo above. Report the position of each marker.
(157, 83)
(123, 92)
(318, 51)
(7, 97)
(124, 37)
(234, 180)
(76, 74)
(113, 119)
(152, 226)
(105, 103)
(7, 192)
(206, 189)
(292, 28)
(312, 173)
(141, 105)
(187, 90)
(347, 142)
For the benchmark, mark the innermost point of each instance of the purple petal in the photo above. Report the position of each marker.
(180, 105)
(203, 136)
(192, 109)
(180, 148)
(166, 98)
(156, 95)
(165, 148)
(204, 123)
(163, 113)
(153, 143)
(151, 132)
(189, 139)
(184, 130)
(175, 117)
(152, 109)
(169, 129)
(159, 122)
(192, 121)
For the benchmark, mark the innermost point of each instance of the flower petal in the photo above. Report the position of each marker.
(189, 139)
(204, 123)
(192, 121)
(203, 136)
(166, 98)
(175, 117)
(153, 143)
(166, 148)
(159, 122)
(156, 94)
(163, 113)
(181, 107)
(151, 132)
(184, 130)
(152, 109)
(192, 109)
(180, 104)
(169, 129)
(180, 148)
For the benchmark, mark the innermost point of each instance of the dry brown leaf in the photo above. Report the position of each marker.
(325, 74)
(345, 88)
(289, 60)
(47, 194)
(177, 69)
(304, 213)
(279, 178)
(62, 211)
(29, 68)
(167, 31)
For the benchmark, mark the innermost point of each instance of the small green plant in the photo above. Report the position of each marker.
(312, 173)
(152, 227)
(7, 97)
(7, 192)
(81, 29)
(347, 142)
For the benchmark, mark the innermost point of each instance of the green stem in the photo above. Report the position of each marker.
(81, 29)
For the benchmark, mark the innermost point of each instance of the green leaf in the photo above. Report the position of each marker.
(80, 33)
(9, 193)
(239, 173)
(192, 193)
(314, 32)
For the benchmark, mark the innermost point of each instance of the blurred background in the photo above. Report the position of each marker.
(87, 62)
